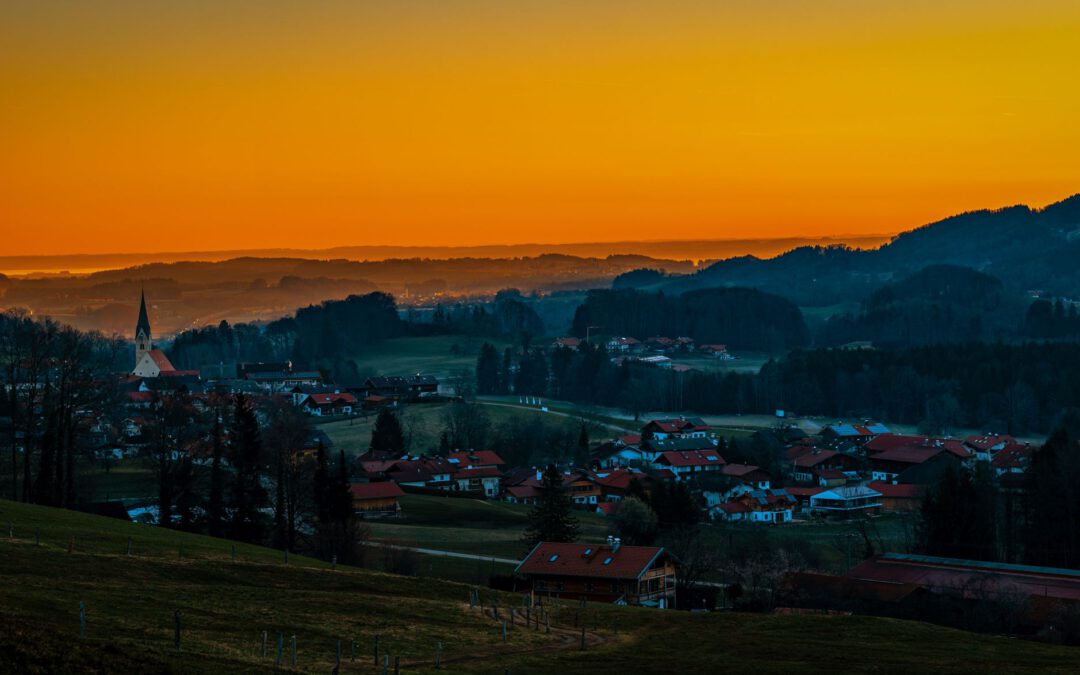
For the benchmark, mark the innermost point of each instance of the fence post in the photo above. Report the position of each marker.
(438, 654)
(263, 652)
(385, 664)
(333, 562)
(504, 631)
(177, 620)
(129, 546)
(280, 649)
(397, 660)
(352, 650)
(82, 619)
(337, 657)
(292, 648)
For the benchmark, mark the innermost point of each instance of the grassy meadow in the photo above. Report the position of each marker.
(226, 606)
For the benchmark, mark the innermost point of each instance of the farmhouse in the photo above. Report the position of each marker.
(376, 499)
(624, 575)
(686, 464)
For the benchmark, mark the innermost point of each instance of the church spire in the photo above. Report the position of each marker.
(143, 326)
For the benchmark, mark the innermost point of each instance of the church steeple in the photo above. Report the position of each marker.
(143, 342)
(143, 326)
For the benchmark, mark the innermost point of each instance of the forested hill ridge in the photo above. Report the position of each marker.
(741, 318)
(1028, 249)
(938, 304)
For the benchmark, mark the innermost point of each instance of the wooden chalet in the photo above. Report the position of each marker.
(625, 575)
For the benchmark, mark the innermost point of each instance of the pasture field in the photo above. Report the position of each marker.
(225, 606)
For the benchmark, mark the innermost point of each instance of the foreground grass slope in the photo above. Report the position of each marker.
(227, 605)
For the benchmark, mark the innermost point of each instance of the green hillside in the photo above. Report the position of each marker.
(226, 605)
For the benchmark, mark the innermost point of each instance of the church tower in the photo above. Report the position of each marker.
(142, 332)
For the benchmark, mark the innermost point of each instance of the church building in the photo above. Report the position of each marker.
(149, 362)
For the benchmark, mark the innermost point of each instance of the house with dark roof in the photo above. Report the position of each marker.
(686, 464)
(624, 575)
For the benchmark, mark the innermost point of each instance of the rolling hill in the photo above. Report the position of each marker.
(52, 560)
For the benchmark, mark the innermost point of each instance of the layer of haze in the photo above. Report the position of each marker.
(141, 126)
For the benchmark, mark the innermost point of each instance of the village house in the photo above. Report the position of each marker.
(624, 575)
(808, 466)
(375, 500)
(857, 434)
(748, 474)
(681, 427)
(715, 351)
(686, 464)
(757, 506)
(486, 480)
(984, 447)
(845, 502)
(327, 405)
(623, 345)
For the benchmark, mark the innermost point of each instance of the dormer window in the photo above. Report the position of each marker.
(553, 558)
(607, 560)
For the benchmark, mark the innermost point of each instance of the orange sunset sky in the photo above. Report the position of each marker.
(182, 125)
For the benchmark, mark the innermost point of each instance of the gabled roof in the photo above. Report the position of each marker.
(589, 560)
(160, 360)
(476, 458)
(897, 491)
(740, 470)
(381, 490)
(1013, 456)
(692, 458)
(813, 458)
(477, 472)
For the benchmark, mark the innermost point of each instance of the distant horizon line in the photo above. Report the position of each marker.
(273, 251)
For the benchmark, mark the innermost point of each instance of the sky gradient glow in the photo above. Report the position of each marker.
(140, 126)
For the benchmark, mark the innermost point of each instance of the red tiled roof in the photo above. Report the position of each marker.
(1012, 456)
(738, 470)
(619, 479)
(524, 491)
(140, 396)
(630, 439)
(813, 458)
(989, 441)
(330, 399)
(478, 472)
(804, 492)
(734, 507)
(160, 359)
(693, 458)
(628, 562)
(897, 491)
(477, 458)
(908, 454)
(375, 490)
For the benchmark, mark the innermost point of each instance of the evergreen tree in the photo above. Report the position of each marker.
(247, 495)
(552, 518)
(583, 444)
(215, 508)
(487, 370)
(321, 486)
(387, 435)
